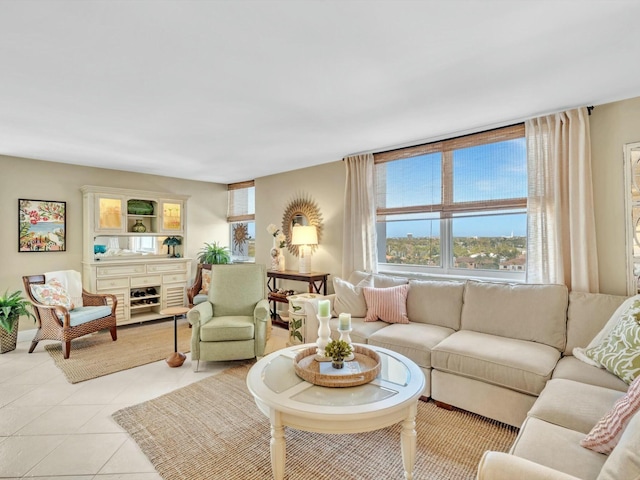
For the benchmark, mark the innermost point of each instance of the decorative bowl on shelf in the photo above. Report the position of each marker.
(99, 249)
(139, 207)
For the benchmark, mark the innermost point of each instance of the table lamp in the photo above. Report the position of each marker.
(304, 237)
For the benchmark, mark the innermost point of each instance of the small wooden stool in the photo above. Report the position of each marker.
(176, 359)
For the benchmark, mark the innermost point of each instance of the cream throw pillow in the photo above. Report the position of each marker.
(604, 436)
(387, 304)
(349, 297)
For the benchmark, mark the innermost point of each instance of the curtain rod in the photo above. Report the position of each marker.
(460, 133)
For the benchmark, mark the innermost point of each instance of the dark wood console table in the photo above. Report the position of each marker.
(316, 280)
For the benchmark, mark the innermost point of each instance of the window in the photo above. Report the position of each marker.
(456, 205)
(241, 216)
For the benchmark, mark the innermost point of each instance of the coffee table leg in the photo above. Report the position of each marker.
(408, 442)
(278, 446)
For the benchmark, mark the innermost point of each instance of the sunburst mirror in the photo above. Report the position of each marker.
(301, 211)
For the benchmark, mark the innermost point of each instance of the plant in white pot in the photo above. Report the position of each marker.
(12, 306)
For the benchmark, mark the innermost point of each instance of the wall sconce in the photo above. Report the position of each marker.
(304, 237)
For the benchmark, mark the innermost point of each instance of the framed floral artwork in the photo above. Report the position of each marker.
(42, 226)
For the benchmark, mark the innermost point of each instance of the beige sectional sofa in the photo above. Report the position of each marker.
(504, 351)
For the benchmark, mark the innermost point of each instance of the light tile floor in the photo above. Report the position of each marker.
(51, 429)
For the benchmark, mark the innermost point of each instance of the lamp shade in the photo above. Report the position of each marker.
(304, 235)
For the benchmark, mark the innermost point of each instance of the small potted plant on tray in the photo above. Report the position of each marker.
(12, 306)
(338, 350)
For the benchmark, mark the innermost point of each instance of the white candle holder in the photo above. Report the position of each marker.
(344, 335)
(324, 337)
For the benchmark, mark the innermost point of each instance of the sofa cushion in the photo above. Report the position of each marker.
(558, 448)
(223, 329)
(586, 315)
(349, 297)
(437, 303)
(81, 315)
(573, 405)
(414, 340)
(624, 462)
(361, 331)
(618, 351)
(604, 436)
(507, 362)
(379, 280)
(536, 313)
(387, 304)
(571, 368)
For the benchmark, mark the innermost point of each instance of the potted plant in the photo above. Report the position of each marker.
(11, 308)
(214, 254)
(338, 350)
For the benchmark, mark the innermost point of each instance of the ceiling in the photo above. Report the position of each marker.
(226, 91)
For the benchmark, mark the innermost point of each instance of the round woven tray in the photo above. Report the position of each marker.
(308, 368)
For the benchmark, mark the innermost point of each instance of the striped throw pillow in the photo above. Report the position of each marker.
(387, 304)
(604, 436)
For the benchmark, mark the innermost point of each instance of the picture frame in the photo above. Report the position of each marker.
(42, 225)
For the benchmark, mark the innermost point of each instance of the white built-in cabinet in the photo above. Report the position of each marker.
(144, 274)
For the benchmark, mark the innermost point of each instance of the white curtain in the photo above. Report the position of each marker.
(359, 232)
(561, 243)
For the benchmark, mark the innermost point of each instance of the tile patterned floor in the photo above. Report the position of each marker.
(51, 429)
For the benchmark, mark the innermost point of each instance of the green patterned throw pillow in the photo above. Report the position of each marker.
(619, 352)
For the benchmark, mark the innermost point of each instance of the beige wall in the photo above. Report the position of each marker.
(612, 126)
(38, 180)
(323, 184)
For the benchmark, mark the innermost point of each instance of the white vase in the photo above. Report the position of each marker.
(275, 264)
(281, 262)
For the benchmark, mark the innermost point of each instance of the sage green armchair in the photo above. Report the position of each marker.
(232, 323)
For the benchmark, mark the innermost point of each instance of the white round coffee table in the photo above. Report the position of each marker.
(288, 400)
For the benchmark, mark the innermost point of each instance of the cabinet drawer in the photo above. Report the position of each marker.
(111, 283)
(174, 278)
(167, 267)
(119, 270)
(145, 281)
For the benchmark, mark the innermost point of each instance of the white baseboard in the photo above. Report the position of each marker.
(26, 335)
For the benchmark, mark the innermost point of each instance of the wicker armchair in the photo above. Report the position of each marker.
(193, 292)
(58, 323)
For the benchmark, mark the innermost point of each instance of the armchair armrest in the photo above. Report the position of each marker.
(261, 314)
(200, 314)
(503, 466)
(56, 313)
(96, 299)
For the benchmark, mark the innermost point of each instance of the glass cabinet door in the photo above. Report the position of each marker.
(172, 217)
(110, 214)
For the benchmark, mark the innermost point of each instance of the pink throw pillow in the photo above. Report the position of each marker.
(387, 304)
(604, 436)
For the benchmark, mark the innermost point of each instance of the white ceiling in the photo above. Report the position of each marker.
(226, 91)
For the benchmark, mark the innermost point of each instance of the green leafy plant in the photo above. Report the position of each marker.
(338, 350)
(214, 254)
(11, 308)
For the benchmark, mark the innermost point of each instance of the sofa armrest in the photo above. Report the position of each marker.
(503, 466)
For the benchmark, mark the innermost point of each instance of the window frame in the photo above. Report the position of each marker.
(239, 214)
(447, 208)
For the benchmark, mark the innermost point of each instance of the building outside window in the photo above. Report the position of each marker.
(455, 207)
(241, 217)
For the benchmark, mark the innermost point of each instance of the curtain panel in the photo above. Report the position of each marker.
(359, 230)
(561, 243)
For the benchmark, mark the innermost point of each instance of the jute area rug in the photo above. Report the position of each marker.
(212, 429)
(97, 355)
